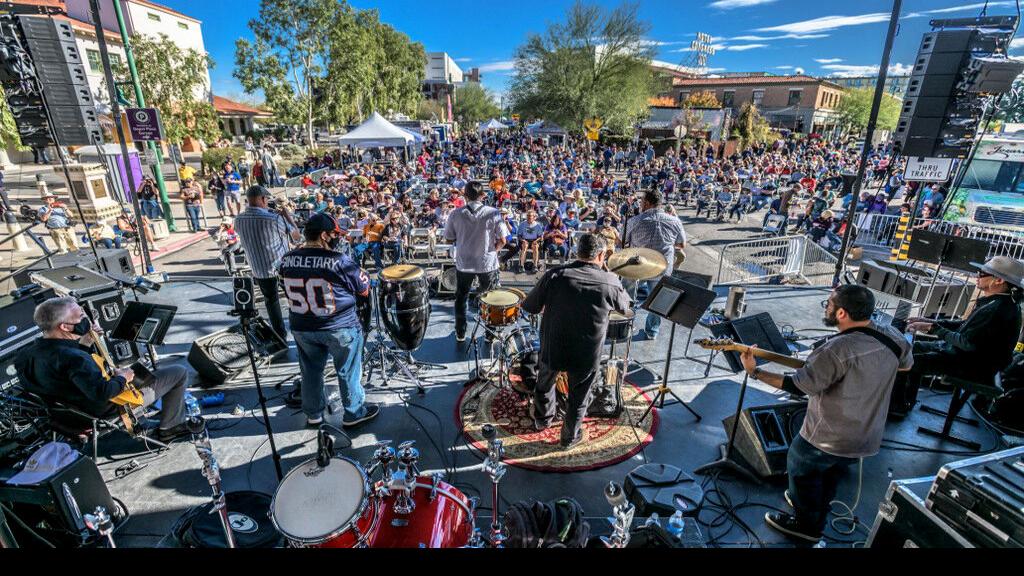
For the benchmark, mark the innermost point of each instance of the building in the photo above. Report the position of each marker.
(149, 19)
(894, 85)
(798, 103)
(237, 119)
(443, 76)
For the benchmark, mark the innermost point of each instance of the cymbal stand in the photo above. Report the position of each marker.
(494, 468)
(621, 518)
(386, 357)
(101, 523)
(211, 471)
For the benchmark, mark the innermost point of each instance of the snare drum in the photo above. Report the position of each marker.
(330, 507)
(620, 326)
(441, 518)
(500, 308)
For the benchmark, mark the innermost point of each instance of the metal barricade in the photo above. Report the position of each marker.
(791, 257)
(879, 230)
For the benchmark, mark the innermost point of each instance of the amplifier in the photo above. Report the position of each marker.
(875, 276)
(903, 520)
(114, 262)
(56, 505)
(222, 355)
(983, 498)
(104, 308)
(16, 325)
(765, 433)
(74, 281)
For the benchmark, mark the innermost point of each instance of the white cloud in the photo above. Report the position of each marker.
(783, 67)
(752, 38)
(799, 71)
(743, 47)
(827, 23)
(828, 60)
(463, 59)
(730, 4)
(1018, 43)
(965, 7)
(503, 66)
(846, 70)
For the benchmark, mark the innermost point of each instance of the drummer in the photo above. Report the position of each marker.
(575, 301)
(658, 231)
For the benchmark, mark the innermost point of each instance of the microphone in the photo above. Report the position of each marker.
(324, 447)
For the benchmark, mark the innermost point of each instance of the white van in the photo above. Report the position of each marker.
(992, 192)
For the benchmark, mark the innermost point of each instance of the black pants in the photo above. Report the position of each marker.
(268, 286)
(813, 480)
(581, 383)
(463, 284)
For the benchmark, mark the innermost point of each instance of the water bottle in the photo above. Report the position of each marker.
(676, 524)
(192, 405)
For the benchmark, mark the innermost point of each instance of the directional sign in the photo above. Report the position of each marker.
(144, 124)
(928, 169)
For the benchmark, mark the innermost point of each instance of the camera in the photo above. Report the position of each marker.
(272, 205)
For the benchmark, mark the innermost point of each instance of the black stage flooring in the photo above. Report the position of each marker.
(168, 484)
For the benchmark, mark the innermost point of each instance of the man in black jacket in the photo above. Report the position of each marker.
(977, 348)
(575, 301)
(59, 366)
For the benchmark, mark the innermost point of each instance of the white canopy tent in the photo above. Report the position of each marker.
(492, 124)
(377, 132)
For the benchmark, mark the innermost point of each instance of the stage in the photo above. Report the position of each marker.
(166, 485)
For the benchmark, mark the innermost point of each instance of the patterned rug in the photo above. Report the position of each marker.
(607, 441)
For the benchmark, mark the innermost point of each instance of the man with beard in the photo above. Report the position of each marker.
(848, 379)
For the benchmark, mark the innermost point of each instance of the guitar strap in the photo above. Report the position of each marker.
(882, 339)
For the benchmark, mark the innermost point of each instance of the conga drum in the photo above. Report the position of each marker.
(404, 303)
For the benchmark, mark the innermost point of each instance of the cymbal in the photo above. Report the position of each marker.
(650, 263)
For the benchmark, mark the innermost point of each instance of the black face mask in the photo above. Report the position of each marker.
(334, 243)
(82, 327)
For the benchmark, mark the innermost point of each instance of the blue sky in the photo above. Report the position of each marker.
(821, 37)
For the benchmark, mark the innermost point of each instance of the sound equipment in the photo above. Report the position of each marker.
(243, 295)
(55, 506)
(983, 498)
(74, 281)
(765, 433)
(960, 252)
(662, 489)
(115, 263)
(927, 246)
(990, 75)
(903, 520)
(104, 308)
(16, 325)
(874, 276)
(223, 355)
(950, 296)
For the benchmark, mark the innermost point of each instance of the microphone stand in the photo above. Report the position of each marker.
(245, 318)
(211, 471)
(494, 468)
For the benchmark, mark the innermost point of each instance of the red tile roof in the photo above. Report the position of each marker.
(747, 81)
(225, 106)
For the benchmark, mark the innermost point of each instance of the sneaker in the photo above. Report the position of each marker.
(538, 426)
(573, 443)
(788, 499)
(294, 398)
(788, 525)
(179, 432)
(460, 337)
(314, 422)
(372, 410)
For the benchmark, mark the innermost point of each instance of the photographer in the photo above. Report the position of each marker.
(267, 232)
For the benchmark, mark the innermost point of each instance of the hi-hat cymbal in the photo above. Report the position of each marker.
(638, 263)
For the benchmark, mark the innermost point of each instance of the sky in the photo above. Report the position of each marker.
(817, 37)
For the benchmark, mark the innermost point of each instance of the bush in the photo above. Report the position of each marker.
(213, 158)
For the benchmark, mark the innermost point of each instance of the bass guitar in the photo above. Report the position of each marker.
(130, 398)
(727, 345)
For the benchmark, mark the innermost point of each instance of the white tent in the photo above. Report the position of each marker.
(377, 132)
(492, 124)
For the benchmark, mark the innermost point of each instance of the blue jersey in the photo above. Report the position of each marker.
(321, 286)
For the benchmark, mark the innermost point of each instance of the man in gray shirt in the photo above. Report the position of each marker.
(848, 380)
(478, 232)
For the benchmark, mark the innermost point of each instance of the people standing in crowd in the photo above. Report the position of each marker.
(232, 189)
(149, 199)
(58, 223)
(192, 197)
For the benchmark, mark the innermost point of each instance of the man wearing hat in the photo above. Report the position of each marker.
(982, 345)
(55, 216)
(322, 285)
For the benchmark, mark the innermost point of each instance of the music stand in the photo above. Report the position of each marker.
(757, 330)
(682, 303)
(144, 323)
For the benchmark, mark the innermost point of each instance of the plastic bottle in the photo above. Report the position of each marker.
(676, 524)
(192, 405)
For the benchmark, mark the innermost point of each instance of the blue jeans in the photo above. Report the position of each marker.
(376, 249)
(643, 290)
(813, 480)
(150, 209)
(193, 216)
(221, 204)
(345, 347)
(108, 243)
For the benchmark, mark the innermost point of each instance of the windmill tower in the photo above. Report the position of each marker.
(700, 50)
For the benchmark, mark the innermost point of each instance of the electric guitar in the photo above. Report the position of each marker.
(727, 345)
(130, 398)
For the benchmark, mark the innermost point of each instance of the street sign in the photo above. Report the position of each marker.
(144, 124)
(928, 169)
(680, 131)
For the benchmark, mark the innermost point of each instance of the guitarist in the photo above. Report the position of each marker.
(848, 379)
(60, 366)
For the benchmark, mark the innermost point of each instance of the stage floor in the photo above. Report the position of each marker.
(167, 485)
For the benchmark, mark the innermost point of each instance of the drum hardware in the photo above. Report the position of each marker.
(403, 481)
(101, 523)
(211, 471)
(621, 518)
(494, 468)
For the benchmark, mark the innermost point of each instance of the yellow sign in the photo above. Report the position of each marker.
(593, 124)
(515, 117)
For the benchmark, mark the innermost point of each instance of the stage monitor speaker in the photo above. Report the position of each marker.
(874, 276)
(765, 434)
(662, 489)
(960, 252)
(758, 330)
(244, 295)
(56, 505)
(223, 355)
(927, 246)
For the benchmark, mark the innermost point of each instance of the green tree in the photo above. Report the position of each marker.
(854, 110)
(474, 104)
(9, 137)
(703, 99)
(170, 78)
(752, 129)
(595, 64)
(429, 110)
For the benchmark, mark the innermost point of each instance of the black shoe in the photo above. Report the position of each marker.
(372, 410)
(294, 398)
(788, 525)
(539, 426)
(179, 432)
(572, 443)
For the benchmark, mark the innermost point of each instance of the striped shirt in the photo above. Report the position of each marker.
(658, 231)
(264, 236)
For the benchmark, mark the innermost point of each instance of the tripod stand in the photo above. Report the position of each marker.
(663, 389)
(245, 317)
(387, 358)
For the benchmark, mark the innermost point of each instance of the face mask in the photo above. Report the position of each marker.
(334, 243)
(83, 327)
